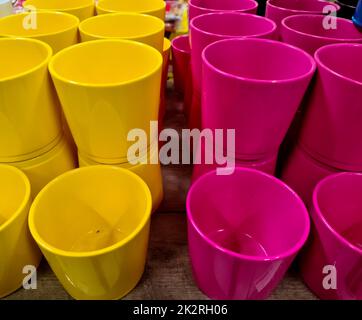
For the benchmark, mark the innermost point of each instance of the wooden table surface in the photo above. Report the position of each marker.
(167, 275)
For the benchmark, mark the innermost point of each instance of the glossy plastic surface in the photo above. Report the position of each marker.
(131, 26)
(17, 247)
(311, 32)
(165, 66)
(243, 90)
(107, 88)
(207, 29)
(150, 173)
(156, 8)
(331, 128)
(208, 158)
(82, 9)
(245, 236)
(44, 168)
(277, 10)
(181, 51)
(336, 240)
(302, 172)
(57, 29)
(30, 122)
(200, 7)
(92, 225)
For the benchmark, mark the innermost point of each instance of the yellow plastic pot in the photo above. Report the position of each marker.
(107, 88)
(131, 26)
(17, 247)
(166, 50)
(150, 173)
(92, 225)
(166, 60)
(30, 120)
(59, 30)
(156, 8)
(44, 168)
(82, 9)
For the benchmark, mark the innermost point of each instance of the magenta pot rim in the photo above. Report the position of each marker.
(253, 5)
(324, 66)
(311, 35)
(175, 41)
(261, 81)
(288, 253)
(270, 3)
(231, 13)
(320, 214)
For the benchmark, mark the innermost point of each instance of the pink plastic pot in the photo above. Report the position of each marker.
(200, 7)
(209, 28)
(181, 51)
(302, 173)
(244, 230)
(309, 33)
(277, 10)
(206, 161)
(181, 59)
(332, 129)
(267, 166)
(332, 263)
(188, 92)
(255, 94)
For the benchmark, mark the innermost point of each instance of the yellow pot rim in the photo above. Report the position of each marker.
(43, 12)
(26, 199)
(90, 4)
(41, 242)
(104, 16)
(166, 44)
(56, 75)
(161, 7)
(37, 67)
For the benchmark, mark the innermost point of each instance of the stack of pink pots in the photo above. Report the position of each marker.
(328, 127)
(331, 264)
(181, 52)
(209, 30)
(226, 85)
(277, 10)
(241, 90)
(257, 77)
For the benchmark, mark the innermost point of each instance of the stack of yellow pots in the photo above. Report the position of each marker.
(59, 97)
(31, 131)
(19, 252)
(155, 8)
(112, 107)
(34, 147)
